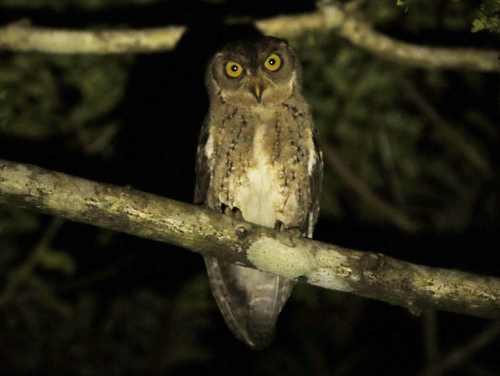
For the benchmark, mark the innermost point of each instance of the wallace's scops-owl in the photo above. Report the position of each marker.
(258, 158)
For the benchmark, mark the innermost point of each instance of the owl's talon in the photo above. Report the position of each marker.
(237, 213)
(233, 213)
(226, 210)
(279, 226)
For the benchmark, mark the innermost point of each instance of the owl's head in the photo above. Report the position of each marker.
(258, 71)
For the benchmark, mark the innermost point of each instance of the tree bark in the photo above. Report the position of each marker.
(211, 233)
(331, 16)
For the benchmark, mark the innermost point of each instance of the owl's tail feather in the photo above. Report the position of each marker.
(249, 300)
(265, 302)
(231, 306)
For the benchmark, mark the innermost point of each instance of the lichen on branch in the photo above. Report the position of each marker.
(213, 234)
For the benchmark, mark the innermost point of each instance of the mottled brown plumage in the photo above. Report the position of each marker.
(257, 157)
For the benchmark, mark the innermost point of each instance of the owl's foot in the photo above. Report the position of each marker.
(234, 212)
(280, 226)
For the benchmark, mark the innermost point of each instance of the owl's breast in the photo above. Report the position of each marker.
(261, 192)
(261, 167)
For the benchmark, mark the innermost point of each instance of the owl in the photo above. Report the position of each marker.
(258, 159)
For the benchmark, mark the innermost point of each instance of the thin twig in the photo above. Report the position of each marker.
(477, 370)
(97, 276)
(396, 216)
(462, 353)
(390, 169)
(23, 272)
(449, 132)
(430, 334)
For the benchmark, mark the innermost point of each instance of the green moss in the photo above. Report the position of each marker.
(487, 17)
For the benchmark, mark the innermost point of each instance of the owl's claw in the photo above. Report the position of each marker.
(233, 213)
(280, 226)
(295, 231)
(237, 213)
(226, 210)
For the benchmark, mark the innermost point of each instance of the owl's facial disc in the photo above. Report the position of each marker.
(256, 72)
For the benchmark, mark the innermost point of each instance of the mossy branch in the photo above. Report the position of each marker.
(211, 233)
(331, 16)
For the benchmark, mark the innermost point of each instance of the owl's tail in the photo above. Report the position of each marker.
(249, 300)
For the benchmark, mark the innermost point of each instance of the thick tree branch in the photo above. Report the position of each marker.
(210, 233)
(331, 16)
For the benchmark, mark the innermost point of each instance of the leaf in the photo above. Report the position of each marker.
(479, 24)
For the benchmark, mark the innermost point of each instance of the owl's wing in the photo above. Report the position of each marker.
(202, 166)
(316, 181)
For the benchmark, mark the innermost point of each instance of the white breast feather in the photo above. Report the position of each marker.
(260, 198)
(209, 147)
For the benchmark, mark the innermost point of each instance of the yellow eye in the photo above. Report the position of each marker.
(233, 69)
(273, 63)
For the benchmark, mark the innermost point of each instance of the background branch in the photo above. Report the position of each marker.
(464, 352)
(21, 36)
(211, 233)
(22, 272)
(393, 214)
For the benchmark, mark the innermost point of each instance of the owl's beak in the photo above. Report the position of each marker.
(257, 87)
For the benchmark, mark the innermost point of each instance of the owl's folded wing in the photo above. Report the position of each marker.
(316, 181)
(202, 166)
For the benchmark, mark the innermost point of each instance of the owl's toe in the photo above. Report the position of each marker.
(279, 226)
(237, 213)
(233, 213)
